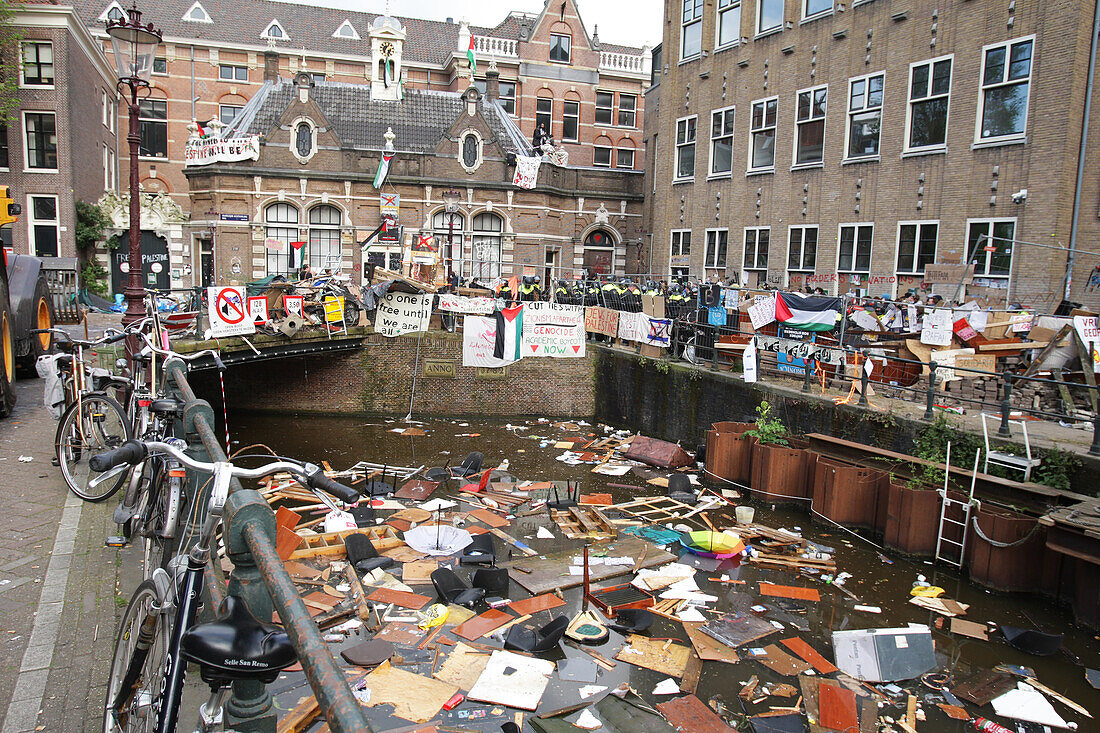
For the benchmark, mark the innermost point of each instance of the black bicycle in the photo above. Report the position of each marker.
(159, 637)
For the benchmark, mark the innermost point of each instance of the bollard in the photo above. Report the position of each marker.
(808, 375)
(1094, 449)
(714, 350)
(1006, 406)
(863, 382)
(929, 413)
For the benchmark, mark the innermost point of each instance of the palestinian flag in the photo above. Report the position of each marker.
(509, 322)
(383, 169)
(807, 312)
(470, 56)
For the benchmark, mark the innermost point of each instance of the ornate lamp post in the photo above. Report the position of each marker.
(135, 46)
(451, 198)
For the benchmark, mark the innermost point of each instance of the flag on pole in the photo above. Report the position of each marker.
(383, 169)
(805, 312)
(386, 72)
(509, 323)
(470, 55)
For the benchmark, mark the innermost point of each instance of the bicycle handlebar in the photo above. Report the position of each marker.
(186, 357)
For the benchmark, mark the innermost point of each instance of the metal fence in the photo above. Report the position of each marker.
(63, 279)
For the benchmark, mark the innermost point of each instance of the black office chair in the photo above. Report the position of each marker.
(480, 551)
(632, 620)
(493, 580)
(362, 555)
(680, 489)
(536, 641)
(470, 465)
(450, 589)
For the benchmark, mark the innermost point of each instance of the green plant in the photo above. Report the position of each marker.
(661, 366)
(91, 223)
(10, 35)
(769, 429)
(94, 278)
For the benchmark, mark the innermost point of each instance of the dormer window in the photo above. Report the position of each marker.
(303, 139)
(346, 30)
(275, 32)
(113, 11)
(469, 151)
(559, 47)
(197, 14)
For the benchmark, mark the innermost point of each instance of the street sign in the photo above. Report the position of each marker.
(294, 305)
(257, 310)
(228, 312)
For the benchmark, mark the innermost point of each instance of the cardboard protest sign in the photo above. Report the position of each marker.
(937, 328)
(401, 313)
(762, 313)
(479, 342)
(464, 304)
(553, 329)
(601, 320)
(227, 308)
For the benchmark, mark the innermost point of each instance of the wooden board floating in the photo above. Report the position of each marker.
(584, 523)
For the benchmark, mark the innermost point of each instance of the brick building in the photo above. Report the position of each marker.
(848, 145)
(307, 196)
(62, 144)
(552, 70)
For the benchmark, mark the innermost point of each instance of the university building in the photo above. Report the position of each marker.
(849, 145)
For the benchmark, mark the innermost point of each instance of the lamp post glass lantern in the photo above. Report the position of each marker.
(451, 198)
(135, 46)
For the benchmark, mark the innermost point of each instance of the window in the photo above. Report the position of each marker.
(989, 247)
(106, 170)
(570, 121)
(721, 141)
(346, 30)
(109, 110)
(729, 22)
(559, 47)
(916, 245)
(447, 230)
(316, 77)
(601, 154)
(324, 238)
(762, 129)
(802, 249)
(507, 91)
(197, 14)
(855, 248)
(715, 255)
(655, 69)
(115, 13)
(471, 152)
(679, 253)
(41, 140)
(160, 65)
(864, 115)
(4, 146)
(112, 170)
(769, 15)
(929, 88)
(1006, 80)
(153, 119)
(275, 30)
(544, 109)
(230, 72)
(228, 112)
(44, 225)
(685, 147)
(811, 8)
(282, 229)
(691, 32)
(605, 108)
(624, 158)
(485, 263)
(303, 141)
(37, 69)
(810, 117)
(628, 104)
(757, 240)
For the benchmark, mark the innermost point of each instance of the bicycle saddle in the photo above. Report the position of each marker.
(166, 406)
(236, 645)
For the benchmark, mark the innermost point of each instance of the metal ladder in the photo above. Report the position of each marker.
(945, 505)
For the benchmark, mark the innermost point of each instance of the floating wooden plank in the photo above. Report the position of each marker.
(414, 697)
(399, 632)
(535, 604)
(692, 672)
(689, 713)
(300, 717)
(808, 653)
(418, 571)
(836, 707)
(401, 598)
(654, 509)
(790, 591)
(521, 546)
(462, 666)
(972, 629)
(983, 686)
(487, 517)
(416, 490)
(332, 543)
(663, 656)
(779, 661)
(552, 570)
(478, 626)
(584, 523)
(286, 542)
(708, 648)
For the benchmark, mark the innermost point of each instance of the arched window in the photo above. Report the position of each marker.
(624, 154)
(447, 230)
(487, 228)
(599, 252)
(324, 238)
(282, 229)
(303, 140)
(470, 153)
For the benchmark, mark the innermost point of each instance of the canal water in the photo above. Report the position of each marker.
(879, 578)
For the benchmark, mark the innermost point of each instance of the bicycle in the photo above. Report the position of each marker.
(159, 636)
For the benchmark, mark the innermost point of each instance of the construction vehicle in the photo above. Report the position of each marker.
(25, 304)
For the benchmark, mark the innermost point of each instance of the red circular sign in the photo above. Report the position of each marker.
(231, 311)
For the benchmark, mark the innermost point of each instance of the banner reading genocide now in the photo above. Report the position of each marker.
(401, 313)
(553, 329)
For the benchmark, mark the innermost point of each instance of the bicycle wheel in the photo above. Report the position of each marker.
(93, 425)
(159, 528)
(137, 668)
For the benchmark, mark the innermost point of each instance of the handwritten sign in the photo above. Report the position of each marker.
(207, 150)
(479, 335)
(948, 274)
(401, 313)
(632, 326)
(464, 304)
(799, 349)
(762, 313)
(937, 328)
(601, 320)
(553, 329)
(659, 333)
(748, 360)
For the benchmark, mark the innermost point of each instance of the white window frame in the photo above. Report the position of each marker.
(983, 87)
(576, 116)
(726, 7)
(32, 222)
(754, 130)
(802, 228)
(619, 110)
(105, 15)
(27, 148)
(106, 108)
(849, 113)
(327, 236)
(223, 107)
(812, 119)
(990, 222)
(931, 64)
(624, 149)
(266, 35)
(112, 159)
(696, 17)
(920, 224)
(106, 169)
(7, 143)
(755, 250)
(707, 254)
(233, 76)
(806, 15)
(605, 108)
(508, 100)
(610, 156)
(346, 24)
(855, 248)
(676, 177)
(732, 111)
(568, 53)
(550, 114)
(160, 73)
(36, 42)
(205, 15)
(284, 231)
(760, 18)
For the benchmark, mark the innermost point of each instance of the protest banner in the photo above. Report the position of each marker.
(799, 349)
(553, 329)
(465, 304)
(601, 320)
(632, 326)
(937, 327)
(762, 313)
(659, 332)
(479, 341)
(401, 313)
(228, 312)
(748, 360)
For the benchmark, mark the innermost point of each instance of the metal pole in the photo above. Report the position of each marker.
(135, 294)
(1094, 449)
(1006, 406)
(929, 414)
(863, 381)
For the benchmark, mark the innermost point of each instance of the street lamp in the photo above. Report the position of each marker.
(135, 47)
(451, 198)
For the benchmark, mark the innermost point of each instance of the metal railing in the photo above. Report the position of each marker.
(259, 578)
(63, 280)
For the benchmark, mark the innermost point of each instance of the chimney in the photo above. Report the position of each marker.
(492, 83)
(271, 65)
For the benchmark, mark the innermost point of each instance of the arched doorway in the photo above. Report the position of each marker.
(599, 252)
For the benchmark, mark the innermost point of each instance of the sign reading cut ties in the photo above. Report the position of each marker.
(227, 308)
(401, 313)
(553, 329)
(762, 313)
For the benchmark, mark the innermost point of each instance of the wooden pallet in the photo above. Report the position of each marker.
(584, 523)
(332, 543)
(654, 509)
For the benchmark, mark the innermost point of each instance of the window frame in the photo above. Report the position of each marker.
(23, 83)
(601, 149)
(920, 224)
(328, 229)
(142, 121)
(732, 111)
(991, 222)
(221, 113)
(753, 131)
(476, 264)
(930, 96)
(27, 167)
(676, 249)
(760, 31)
(508, 101)
(601, 108)
(549, 115)
(619, 111)
(721, 11)
(160, 73)
(812, 91)
(235, 68)
(802, 228)
(5, 146)
(1008, 45)
(857, 225)
(33, 223)
(633, 157)
(849, 114)
(818, 13)
(695, 20)
(676, 177)
(718, 247)
(284, 231)
(575, 116)
(568, 48)
(756, 267)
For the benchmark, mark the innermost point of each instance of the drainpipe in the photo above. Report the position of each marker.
(1081, 151)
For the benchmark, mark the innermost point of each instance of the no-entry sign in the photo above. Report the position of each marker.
(227, 308)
